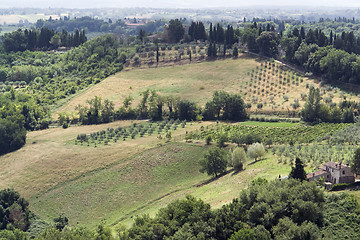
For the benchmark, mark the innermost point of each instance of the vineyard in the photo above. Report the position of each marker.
(300, 133)
(136, 130)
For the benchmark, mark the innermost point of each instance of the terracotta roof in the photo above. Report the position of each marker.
(335, 165)
(317, 173)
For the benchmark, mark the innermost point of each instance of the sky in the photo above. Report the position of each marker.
(172, 3)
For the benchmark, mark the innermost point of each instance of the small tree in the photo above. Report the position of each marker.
(235, 52)
(214, 162)
(355, 164)
(238, 158)
(256, 151)
(60, 222)
(208, 139)
(221, 139)
(298, 171)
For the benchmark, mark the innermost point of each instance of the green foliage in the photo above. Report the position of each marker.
(244, 234)
(37, 226)
(175, 30)
(221, 139)
(61, 222)
(189, 218)
(355, 163)
(13, 234)
(208, 139)
(298, 172)
(225, 106)
(268, 43)
(14, 210)
(12, 131)
(44, 38)
(287, 209)
(287, 229)
(69, 233)
(134, 131)
(341, 217)
(238, 158)
(266, 204)
(214, 162)
(256, 151)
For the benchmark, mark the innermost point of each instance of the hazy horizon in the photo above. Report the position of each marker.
(173, 4)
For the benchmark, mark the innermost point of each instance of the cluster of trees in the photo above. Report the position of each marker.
(287, 209)
(197, 31)
(14, 210)
(217, 34)
(223, 106)
(216, 161)
(70, 25)
(320, 54)
(152, 106)
(315, 111)
(43, 39)
(95, 25)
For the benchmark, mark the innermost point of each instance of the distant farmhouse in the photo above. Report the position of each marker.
(333, 173)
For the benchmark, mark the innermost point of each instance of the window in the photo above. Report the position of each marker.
(344, 172)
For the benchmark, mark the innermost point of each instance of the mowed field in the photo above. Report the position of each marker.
(275, 87)
(195, 82)
(120, 181)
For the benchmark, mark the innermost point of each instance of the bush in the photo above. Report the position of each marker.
(339, 186)
(238, 158)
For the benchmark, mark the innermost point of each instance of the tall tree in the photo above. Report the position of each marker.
(176, 30)
(355, 163)
(298, 171)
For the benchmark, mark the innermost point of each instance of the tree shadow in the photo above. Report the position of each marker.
(235, 172)
(213, 179)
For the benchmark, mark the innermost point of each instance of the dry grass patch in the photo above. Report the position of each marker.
(195, 82)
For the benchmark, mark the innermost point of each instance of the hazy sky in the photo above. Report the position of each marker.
(172, 3)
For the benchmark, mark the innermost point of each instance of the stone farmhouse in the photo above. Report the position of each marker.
(333, 173)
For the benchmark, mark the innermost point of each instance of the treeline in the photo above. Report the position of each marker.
(41, 39)
(99, 25)
(286, 209)
(153, 106)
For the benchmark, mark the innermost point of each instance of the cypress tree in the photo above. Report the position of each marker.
(298, 171)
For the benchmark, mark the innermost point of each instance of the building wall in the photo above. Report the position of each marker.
(343, 175)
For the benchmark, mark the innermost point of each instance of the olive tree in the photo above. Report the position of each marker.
(238, 158)
(256, 151)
